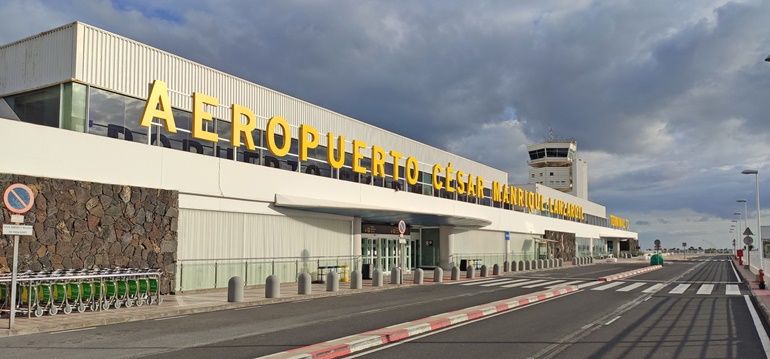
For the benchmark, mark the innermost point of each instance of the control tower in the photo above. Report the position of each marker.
(555, 163)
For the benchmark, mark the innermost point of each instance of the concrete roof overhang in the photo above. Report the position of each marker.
(378, 214)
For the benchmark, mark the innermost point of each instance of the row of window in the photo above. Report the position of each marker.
(548, 152)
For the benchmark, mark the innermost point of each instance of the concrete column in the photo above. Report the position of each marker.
(272, 287)
(418, 276)
(438, 275)
(332, 282)
(445, 246)
(356, 280)
(304, 285)
(235, 289)
(377, 278)
(356, 239)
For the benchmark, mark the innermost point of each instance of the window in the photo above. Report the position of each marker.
(74, 107)
(551, 173)
(40, 107)
(115, 116)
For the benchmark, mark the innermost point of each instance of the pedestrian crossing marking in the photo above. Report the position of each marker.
(631, 287)
(732, 289)
(496, 283)
(705, 289)
(514, 285)
(654, 288)
(564, 284)
(679, 289)
(484, 281)
(589, 284)
(543, 284)
(608, 286)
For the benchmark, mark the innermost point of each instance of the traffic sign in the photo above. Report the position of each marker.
(507, 236)
(748, 232)
(18, 198)
(657, 242)
(17, 230)
(748, 240)
(401, 227)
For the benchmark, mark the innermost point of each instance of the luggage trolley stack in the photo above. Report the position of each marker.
(80, 290)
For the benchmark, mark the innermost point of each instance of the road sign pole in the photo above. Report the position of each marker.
(13, 281)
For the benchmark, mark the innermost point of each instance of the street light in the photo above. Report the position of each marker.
(759, 214)
(745, 212)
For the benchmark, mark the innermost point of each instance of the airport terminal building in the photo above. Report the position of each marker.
(142, 158)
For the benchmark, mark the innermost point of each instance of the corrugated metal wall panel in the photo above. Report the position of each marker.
(215, 235)
(37, 61)
(127, 67)
(475, 241)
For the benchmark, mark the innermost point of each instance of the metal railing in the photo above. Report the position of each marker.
(196, 274)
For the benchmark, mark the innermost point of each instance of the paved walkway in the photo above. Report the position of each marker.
(199, 302)
(761, 295)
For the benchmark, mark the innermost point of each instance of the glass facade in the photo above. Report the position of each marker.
(40, 107)
(77, 107)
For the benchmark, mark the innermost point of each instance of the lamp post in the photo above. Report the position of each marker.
(745, 212)
(759, 214)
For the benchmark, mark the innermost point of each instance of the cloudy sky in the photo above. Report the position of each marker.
(668, 100)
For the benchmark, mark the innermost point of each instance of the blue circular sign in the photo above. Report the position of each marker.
(18, 198)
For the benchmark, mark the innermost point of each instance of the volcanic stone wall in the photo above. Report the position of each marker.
(93, 225)
(564, 247)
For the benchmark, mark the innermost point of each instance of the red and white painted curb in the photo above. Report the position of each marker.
(359, 342)
(630, 273)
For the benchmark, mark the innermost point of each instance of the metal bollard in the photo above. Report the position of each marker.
(419, 275)
(438, 275)
(506, 267)
(235, 289)
(356, 280)
(395, 276)
(332, 282)
(272, 287)
(304, 285)
(470, 272)
(377, 278)
(455, 272)
(484, 271)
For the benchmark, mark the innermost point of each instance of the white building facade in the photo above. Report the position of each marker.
(74, 98)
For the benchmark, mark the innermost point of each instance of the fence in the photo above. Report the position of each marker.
(214, 273)
(489, 259)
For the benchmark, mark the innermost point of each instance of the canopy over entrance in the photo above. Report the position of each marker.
(377, 214)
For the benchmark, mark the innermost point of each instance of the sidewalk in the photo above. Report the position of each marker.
(762, 296)
(207, 301)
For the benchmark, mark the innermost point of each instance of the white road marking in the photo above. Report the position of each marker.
(564, 284)
(503, 282)
(590, 284)
(679, 289)
(543, 284)
(705, 289)
(732, 265)
(654, 288)
(610, 285)
(758, 325)
(732, 289)
(72, 330)
(483, 281)
(631, 287)
(433, 332)
(514, 285)
(174, 317)
(613, 319)
(247, 308)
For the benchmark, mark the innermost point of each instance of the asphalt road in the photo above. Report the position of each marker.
(614, 323)
(570, 326)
